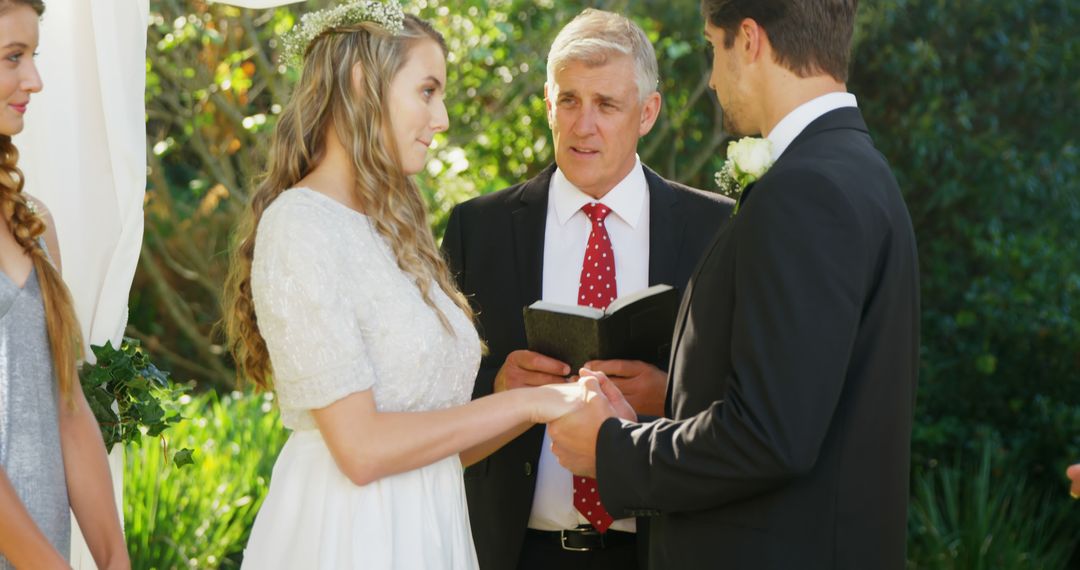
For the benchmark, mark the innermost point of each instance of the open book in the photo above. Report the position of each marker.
(635, 327)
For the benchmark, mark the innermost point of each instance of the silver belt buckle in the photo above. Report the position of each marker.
(562, 541)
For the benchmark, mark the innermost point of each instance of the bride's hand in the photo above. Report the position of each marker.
(552, 401)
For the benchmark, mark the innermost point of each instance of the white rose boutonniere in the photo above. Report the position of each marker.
(747, 160)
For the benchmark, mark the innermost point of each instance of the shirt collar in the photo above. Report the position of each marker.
(625, 199)
(797, 120)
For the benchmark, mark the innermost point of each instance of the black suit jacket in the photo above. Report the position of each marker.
(495, 247)
(792, 379)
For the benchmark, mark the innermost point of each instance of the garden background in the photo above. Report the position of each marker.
(973, 102)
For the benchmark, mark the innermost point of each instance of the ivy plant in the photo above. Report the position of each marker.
(130, 397)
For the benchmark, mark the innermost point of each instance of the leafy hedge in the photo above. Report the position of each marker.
(974, 105)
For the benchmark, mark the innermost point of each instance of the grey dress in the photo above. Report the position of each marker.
(29, 422)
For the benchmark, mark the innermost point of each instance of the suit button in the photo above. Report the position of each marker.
(528, 468)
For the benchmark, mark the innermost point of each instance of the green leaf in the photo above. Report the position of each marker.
(986, 364)
(183, 457)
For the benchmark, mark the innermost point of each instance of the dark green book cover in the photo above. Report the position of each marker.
(635, 327)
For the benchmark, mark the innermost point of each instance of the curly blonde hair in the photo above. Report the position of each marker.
(324, 98)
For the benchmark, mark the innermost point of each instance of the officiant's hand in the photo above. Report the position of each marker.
(525, 368)
(573, 436)
(643, 385)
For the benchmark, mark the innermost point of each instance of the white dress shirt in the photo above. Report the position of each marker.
(798, 119)
(565, 237)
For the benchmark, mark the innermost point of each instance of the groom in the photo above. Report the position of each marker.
(795, 357)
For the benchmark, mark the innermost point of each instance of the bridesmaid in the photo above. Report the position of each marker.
(52, 458)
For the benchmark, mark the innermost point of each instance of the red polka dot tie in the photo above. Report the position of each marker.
(597, 289)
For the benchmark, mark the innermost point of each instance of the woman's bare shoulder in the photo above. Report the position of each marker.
(52, 242)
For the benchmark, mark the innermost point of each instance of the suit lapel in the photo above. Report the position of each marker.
(529, 220)
(665, 236)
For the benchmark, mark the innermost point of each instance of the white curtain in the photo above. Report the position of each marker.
(84, 154)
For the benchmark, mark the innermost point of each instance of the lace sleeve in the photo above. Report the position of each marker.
(313, 331)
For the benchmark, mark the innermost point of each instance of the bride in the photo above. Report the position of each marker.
(338, 293)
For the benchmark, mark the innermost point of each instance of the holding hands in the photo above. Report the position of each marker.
(554, 402)
(643, 385)
(575, 410)
(574, 435)
(632, 386)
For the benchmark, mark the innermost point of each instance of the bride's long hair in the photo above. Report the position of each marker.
(61, 323)
(324, 98)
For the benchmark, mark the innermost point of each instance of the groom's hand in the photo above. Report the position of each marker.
(573, 436)
(525, 368)
(643, 385)
(618, 402)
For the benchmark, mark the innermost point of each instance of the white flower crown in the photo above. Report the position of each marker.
(295, 42)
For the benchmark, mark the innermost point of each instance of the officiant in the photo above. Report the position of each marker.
(594, 225)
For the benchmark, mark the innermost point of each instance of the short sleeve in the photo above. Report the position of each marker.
(313, 330)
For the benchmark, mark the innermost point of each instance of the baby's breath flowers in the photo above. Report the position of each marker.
(313, 24)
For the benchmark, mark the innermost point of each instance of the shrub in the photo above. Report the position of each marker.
(974, 516)
(971, 102)
(200, 516)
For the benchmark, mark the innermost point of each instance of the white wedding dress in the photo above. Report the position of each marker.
(339, 317)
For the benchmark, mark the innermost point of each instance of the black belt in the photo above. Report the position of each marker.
(585, 538)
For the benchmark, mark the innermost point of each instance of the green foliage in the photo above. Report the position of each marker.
(130, 397)
(977, 517)
(973, 104)
(201, 517)
(213, 94)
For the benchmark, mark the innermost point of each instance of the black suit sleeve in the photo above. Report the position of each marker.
(799, 270)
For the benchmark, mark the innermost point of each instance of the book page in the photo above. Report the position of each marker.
(579, 310)
(629, 299)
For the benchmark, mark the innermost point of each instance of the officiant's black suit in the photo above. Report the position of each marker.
(793, 377)
(495, 247)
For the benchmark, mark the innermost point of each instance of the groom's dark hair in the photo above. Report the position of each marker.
(807, 36)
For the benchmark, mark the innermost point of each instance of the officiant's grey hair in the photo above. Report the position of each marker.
(596, 35)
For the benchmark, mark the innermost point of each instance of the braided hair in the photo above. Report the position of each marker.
(61, 323)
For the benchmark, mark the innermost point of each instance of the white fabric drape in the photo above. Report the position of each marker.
(84, 154)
